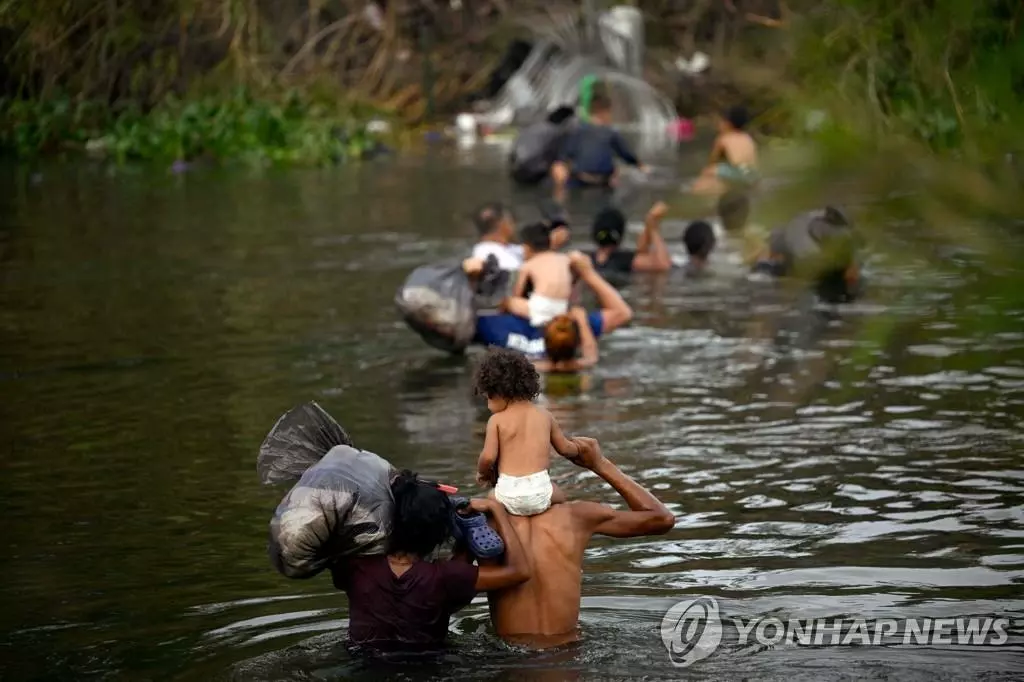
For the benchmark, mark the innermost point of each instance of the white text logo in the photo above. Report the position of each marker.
(692, 630)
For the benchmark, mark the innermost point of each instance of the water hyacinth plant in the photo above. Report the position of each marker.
(295, 129)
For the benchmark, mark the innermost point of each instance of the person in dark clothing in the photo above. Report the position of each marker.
(402, 600)
(587, 159)
(538, 145)
(651, 253)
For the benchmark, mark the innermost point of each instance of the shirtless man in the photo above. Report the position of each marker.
(733, 161)
(544, 611)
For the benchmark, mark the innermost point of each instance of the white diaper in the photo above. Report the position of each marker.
(524, 495)
(544, 309)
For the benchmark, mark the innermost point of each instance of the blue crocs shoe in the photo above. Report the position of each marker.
(472, 528)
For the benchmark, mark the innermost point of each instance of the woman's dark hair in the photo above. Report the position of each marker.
(537, 236)
(561, 338)
(609, 227)
(507, 374)
(422, 518)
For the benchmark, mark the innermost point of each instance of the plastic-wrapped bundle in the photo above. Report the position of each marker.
(342, 503)
(342, 506)
(436, 300)
(299, 439)
(439, 301)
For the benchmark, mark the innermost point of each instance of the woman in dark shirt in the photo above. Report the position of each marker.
(651, 254)
(403, 600)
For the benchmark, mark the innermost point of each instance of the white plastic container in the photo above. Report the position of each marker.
(466, 125)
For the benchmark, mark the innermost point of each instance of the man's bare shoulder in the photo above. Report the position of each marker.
(587, 511)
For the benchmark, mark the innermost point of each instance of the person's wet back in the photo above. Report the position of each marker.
(544, 611)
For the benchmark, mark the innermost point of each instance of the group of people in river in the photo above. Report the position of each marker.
(404, 599)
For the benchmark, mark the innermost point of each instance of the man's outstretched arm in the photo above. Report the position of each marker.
(647, 515)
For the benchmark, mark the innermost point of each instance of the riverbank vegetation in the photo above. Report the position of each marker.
(287, 81)
(294, 128)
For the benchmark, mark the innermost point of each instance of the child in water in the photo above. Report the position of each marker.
(588, 158)
(733, 159)
(548, 274)
(516, 453)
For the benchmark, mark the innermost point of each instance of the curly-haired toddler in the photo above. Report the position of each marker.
(519, 436)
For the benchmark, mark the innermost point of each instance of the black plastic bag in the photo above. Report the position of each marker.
(341, 507)
(299, 439)
(437, 302)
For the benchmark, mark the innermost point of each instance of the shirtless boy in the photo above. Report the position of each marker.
(547, 272)
(733, 159)
(517, 448)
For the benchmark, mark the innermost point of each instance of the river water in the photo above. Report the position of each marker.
(860, 462)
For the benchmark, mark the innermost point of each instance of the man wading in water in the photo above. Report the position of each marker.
(544, 611)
